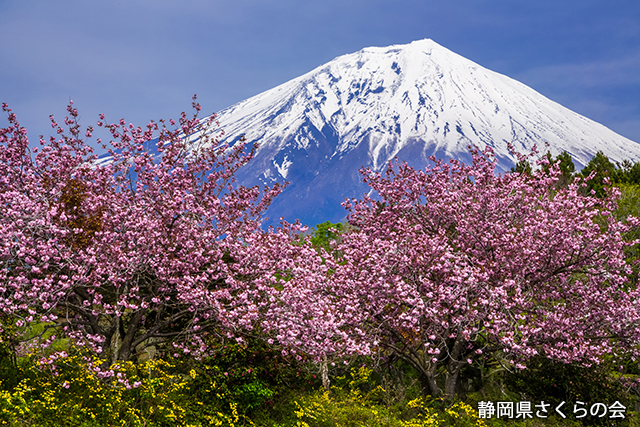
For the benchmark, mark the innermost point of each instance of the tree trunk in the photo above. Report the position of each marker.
(428, 377)
(115, 342)
(453, 368)
(127, 340)
(453, 372)
(325, 374)
(429, 385)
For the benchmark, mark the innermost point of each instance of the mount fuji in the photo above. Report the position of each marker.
(406, 101)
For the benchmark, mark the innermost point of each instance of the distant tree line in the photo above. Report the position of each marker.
(618, 173)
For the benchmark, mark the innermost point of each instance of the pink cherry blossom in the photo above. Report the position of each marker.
(133, 252)
(459, 261)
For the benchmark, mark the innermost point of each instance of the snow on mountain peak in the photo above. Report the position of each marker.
(409, 101)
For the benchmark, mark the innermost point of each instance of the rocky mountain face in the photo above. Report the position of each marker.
(406, 101)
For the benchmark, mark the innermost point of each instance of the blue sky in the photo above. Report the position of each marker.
(144, 59)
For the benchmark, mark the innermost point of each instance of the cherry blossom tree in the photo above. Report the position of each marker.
(292, 303)
(162, 250)
(456, 262)
(141, 250)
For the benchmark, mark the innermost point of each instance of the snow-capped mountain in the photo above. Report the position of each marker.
(407, 101)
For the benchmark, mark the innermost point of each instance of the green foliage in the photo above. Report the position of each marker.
(326, 233)
(523, 166)
(274, 393)
(566, 165)
(629, 202)
(9, 374)
(564, 160)
(249, 383)
(249, 376)
(323, 410)
(357, 402)
(629, 205)
(73, 394)
(221, 391)
(549, 381)
(625, 173)
(358, 399)
(603, 168)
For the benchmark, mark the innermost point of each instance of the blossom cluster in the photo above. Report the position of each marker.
(164, 251)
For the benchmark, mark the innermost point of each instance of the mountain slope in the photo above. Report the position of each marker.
(407, 101)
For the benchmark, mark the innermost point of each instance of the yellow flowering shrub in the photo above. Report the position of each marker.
(75, 395)
(221, 393)
(358, 404)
